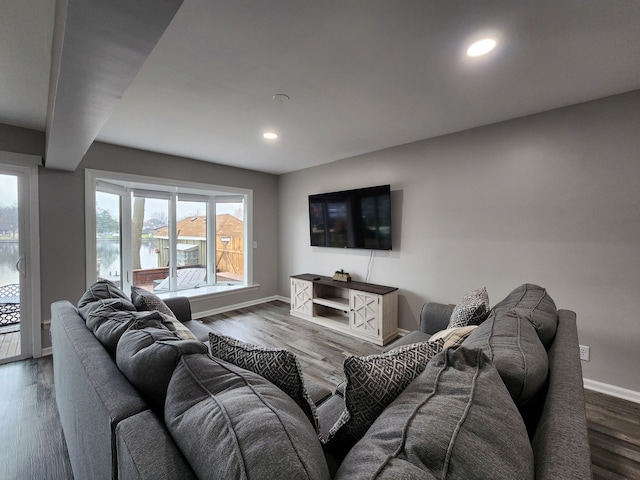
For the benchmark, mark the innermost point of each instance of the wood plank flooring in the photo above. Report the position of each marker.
(32, 444)
(32, 440)
(320, 351)
(614, 436)
(9, 344)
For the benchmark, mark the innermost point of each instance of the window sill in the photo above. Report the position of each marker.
(209, 291)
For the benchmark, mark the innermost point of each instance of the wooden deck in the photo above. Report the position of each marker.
(9, 344)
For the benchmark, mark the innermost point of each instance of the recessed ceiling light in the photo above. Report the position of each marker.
(281, 97)
(481, 47)
(270, 135)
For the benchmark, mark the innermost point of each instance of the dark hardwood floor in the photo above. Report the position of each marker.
(320, 351)
(614, 436)
(33, 445)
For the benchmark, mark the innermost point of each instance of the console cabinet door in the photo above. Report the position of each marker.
(302, 296)
(365, 313)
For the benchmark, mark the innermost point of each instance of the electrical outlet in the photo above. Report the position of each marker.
(584, 353)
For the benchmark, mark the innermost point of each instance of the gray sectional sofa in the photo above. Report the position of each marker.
(507, 403)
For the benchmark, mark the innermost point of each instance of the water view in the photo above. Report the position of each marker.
(108, 252)
(8, 259)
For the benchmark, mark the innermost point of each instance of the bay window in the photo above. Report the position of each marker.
(167, 236)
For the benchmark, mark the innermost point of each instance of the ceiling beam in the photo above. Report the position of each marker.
(98, 48)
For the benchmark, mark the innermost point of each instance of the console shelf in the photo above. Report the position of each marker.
(363, 310)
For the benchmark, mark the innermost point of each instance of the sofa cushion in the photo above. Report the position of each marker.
(534, 302)
(374, 381)
(279, 366)
(455, 421)
(145, 300)
(102, 290)
(108, 326)
(473, 309)
(232, 423)
(512, 344)
(147, 357)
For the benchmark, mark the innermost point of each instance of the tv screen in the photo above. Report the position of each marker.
(352, 218)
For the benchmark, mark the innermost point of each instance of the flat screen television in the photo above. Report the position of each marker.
(358, 218)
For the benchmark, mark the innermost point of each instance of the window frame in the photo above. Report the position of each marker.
(123, 184)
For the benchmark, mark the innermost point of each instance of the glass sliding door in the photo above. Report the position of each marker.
(19, 259)
(10, 341)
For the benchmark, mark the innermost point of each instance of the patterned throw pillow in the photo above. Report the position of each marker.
(145, 300)
(453, 336)
(279, 366)
(374, 381)
(473, 309)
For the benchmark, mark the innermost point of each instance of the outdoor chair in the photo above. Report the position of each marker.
(9, 304)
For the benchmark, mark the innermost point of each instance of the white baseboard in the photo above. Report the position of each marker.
(47, 351)
(612, 390)
(228, 308)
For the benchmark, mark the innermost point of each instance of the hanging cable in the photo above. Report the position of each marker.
(366, 279)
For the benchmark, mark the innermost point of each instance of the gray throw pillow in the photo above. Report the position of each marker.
(374, 381)
(533, 302)
(145, 300)
(455, 421)
(279, 366)
(232, 423)
(147, 357)
(473, 309)
(512, 344)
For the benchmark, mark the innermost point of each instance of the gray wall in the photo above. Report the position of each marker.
(62, 223)
(551, 199)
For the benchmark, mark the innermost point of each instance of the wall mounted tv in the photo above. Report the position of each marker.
(352, 219)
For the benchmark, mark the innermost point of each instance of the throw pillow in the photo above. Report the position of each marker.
(453, 336)
(232, 423)
(455, 421)
(279, 366)
(374, 381)
(145, 300)
(473, 309)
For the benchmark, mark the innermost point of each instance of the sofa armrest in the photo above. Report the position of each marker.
(435, 317)
(147, 452)
(181, 308)
(561, 441)
(91, 393)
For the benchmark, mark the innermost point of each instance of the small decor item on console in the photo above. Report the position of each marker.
(342, 276)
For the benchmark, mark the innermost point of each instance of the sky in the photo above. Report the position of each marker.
(110, 202)
(8, 190)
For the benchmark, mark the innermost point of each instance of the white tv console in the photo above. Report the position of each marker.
(363, 310)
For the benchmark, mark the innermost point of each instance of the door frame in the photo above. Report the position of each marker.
(26, 168)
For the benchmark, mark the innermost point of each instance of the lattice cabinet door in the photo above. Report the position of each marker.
(365, 313)
(302, 296)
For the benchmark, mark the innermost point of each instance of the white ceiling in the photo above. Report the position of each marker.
(361, 75)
